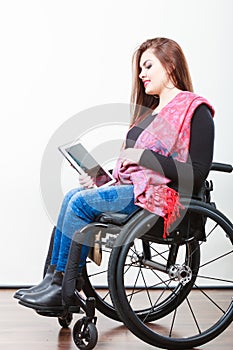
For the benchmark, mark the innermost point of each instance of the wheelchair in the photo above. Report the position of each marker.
(156, 285)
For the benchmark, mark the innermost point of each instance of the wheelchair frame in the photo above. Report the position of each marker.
(118, 236)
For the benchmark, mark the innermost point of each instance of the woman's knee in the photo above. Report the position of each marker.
(80, 207)
(68, 196)
(66, 200)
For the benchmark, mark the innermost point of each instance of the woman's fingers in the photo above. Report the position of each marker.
(86, 181)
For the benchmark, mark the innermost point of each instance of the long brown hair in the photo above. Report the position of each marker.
(171, 56)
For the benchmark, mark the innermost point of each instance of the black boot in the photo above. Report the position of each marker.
(39, 287)
(47, 299)
(72, 278)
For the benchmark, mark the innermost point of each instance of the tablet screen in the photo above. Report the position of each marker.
(86, 162)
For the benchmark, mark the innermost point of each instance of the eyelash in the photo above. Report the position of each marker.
(147, 67)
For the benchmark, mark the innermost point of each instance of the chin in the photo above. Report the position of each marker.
(149, 92)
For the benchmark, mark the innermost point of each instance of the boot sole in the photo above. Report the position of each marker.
(17, 296)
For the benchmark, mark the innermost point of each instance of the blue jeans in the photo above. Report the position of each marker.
(80, 207)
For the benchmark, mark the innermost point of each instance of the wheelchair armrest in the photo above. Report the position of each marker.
(118, 219)
(226, 168)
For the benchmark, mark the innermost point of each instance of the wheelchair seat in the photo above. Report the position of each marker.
(118, 219)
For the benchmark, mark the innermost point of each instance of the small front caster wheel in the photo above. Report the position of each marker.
(85, 337)
(65, 321)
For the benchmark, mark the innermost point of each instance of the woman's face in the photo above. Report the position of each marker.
(153, 75)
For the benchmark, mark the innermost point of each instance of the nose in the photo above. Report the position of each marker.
(142, 74)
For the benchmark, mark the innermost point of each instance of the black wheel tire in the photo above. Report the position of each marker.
(65, 321)
(85, 339)
(215, 221)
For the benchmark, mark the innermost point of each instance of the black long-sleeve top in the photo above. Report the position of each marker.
(201, 148)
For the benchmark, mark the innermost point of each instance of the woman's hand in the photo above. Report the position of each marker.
(131, 156)
(86, 181)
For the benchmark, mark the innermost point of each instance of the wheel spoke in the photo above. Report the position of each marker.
(97, 273)
(217, 258)
(147, 291)
(134, 285)
(193, 315)
(214, 278)
(161, 254)
(153, 287)
(154, 305)
(173, 321)
(210, 299)
(105, 296)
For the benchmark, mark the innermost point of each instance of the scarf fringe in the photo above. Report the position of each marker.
(172, 209)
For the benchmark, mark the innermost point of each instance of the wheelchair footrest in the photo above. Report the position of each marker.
(59, 313)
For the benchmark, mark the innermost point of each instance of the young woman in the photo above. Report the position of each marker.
(168, 148)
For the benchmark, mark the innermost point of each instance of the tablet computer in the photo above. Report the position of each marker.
(83, 162)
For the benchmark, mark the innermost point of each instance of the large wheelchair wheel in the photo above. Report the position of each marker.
(96, 281)
(141, 279)
(179, 298)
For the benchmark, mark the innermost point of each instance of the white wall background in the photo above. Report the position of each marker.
(61, 57)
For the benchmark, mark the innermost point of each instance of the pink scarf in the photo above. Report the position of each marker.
(169, 135)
